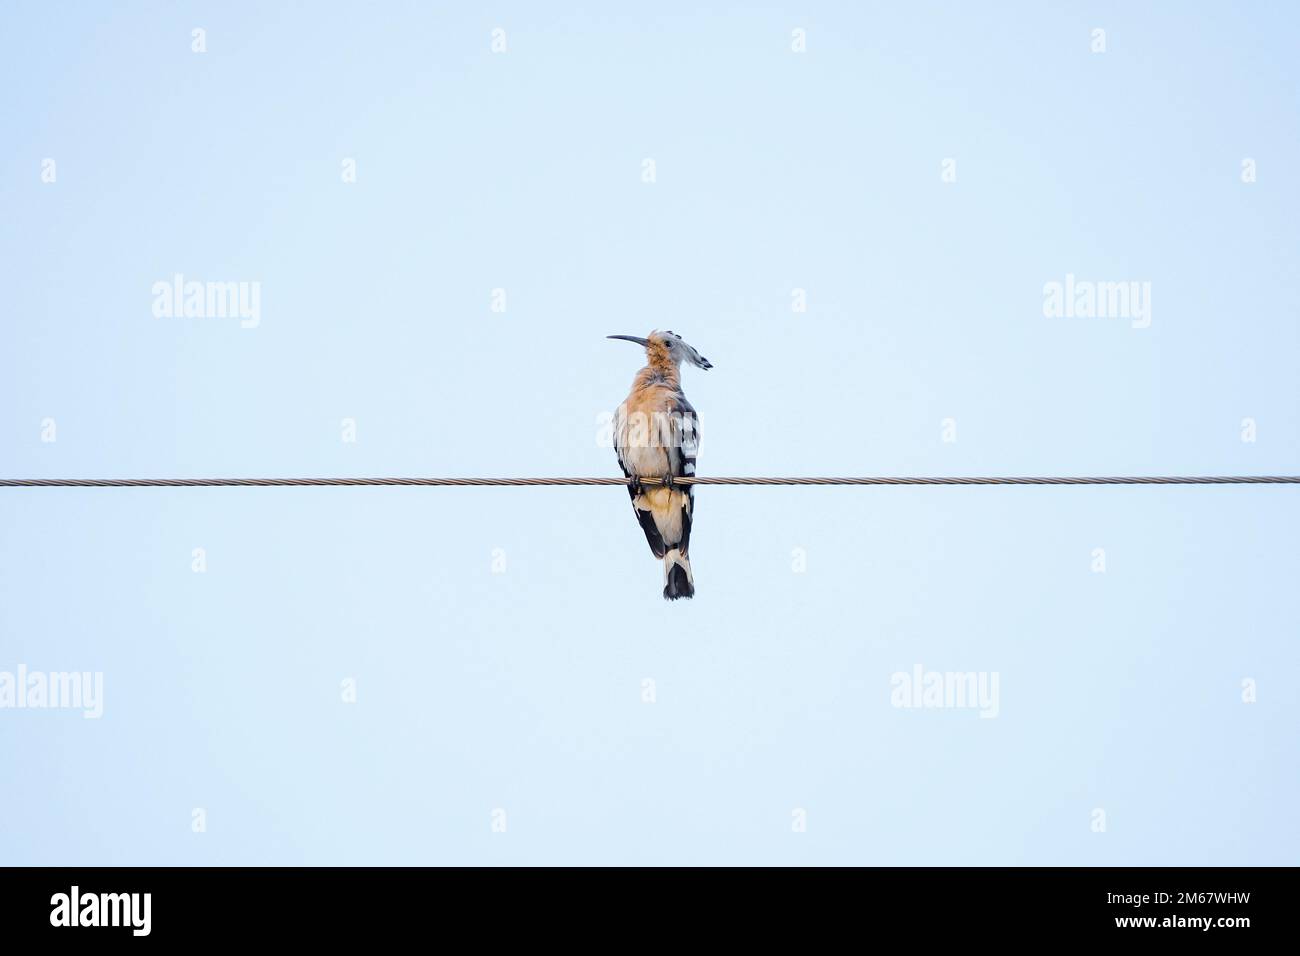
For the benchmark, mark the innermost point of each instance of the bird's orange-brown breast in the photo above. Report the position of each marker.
(647, 416)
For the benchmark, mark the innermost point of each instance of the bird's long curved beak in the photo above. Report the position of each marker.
(630, 338)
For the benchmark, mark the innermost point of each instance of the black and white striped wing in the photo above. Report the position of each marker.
(686, 426)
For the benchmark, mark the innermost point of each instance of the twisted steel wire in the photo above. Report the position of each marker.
(527, 482)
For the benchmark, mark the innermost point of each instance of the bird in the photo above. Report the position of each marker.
(657, 435)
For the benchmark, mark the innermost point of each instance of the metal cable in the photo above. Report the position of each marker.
(515, 482)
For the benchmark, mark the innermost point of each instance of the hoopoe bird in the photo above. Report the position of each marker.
(656, 435)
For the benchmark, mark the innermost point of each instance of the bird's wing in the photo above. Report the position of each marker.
(686, 425)
(641, 506)
(620, 417)
(686, 437)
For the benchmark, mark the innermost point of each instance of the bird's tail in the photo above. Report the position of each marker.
(678, 581)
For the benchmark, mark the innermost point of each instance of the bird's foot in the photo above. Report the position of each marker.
(668, 481)
(635, 486)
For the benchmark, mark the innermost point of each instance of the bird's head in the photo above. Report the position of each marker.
(667, 345)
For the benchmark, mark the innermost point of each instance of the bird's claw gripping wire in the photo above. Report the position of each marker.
(638, 486)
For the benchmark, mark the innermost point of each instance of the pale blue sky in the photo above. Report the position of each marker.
(522, 690)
